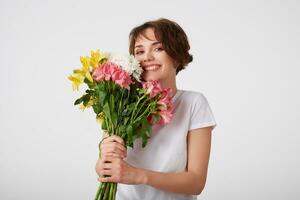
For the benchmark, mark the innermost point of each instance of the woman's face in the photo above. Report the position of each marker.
(154, 60)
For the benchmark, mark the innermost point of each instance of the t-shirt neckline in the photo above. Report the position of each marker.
(178, 92)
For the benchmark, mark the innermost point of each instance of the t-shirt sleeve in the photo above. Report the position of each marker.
(201, 114)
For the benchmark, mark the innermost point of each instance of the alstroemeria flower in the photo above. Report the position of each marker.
(122, 78)
(85, 61)
(85, 70)
(166, 116)
(153, 87)
(97, 58)
(165, 100)
(77, 79)
(111, 71)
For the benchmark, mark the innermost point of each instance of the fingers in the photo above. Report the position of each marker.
(115, 155)
(108, 162)
(107, 168)
(113, 151)
(118, 171)
(105, 163)
(104, 179)
(106, 172)
(114, 138)
(113, 146)
(110, 179)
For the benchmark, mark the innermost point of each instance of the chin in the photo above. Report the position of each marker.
(150, 78)
(149, 75)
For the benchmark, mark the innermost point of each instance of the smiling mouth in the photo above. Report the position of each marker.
(151, 67)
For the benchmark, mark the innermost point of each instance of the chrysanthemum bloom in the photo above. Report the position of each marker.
(128, 63)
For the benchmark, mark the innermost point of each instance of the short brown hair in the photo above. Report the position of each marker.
(172, 37)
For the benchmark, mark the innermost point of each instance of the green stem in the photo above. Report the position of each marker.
(98, 192)
(102, 189)
(111, 191)
(133, 114)
(115, 191)
(120, 102)
(106, 192)
(140, 109)
(142, 115)
(107, 124)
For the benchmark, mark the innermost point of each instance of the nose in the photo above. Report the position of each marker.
(148, 56)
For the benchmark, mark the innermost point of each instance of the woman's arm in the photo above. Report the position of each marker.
(192, 181)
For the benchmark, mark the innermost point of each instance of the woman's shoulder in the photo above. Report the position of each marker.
(189, 94)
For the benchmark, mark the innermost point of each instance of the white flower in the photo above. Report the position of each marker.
(128, 63)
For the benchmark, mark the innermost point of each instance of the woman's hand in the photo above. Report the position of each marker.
(112, 165)
(113, 146)
(117, 170)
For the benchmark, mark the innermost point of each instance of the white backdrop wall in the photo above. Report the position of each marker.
(246, 62)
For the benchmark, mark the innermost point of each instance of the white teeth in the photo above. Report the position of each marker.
(151, 68)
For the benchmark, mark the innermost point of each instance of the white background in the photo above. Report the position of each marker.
(246, 62)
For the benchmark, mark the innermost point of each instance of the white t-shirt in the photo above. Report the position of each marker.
(166, 150)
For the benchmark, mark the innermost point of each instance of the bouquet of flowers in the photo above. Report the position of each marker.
(124, 105)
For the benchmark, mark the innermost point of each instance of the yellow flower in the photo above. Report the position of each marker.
(88, 65)
(96, 58)
(77, 79)
(85, 61)
(88, 76)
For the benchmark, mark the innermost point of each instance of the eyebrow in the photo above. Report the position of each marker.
(154, 43)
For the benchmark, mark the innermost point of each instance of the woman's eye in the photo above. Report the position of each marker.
(139, 52)
(159, 49)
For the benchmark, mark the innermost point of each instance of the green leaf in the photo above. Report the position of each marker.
(90, 92)
(114, 118)
(112, 101)
(122, 129)
(97, 108)
(104, 126)
(106, 111)
(126, 119)
(145, 140)
(102, 97)
(84, 98)
(146, 127)
(125, 112)
(131, 107)
(145, 131)
(129, 131)
(78, 101)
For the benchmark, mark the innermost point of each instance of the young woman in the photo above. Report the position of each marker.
(174, 163)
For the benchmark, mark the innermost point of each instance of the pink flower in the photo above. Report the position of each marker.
(166, 116)
(104, 72)
(111, 71)
(165, 108)
(165, 100)
(122, 78)
(153, 87)
(153, 119)
(98, 75)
